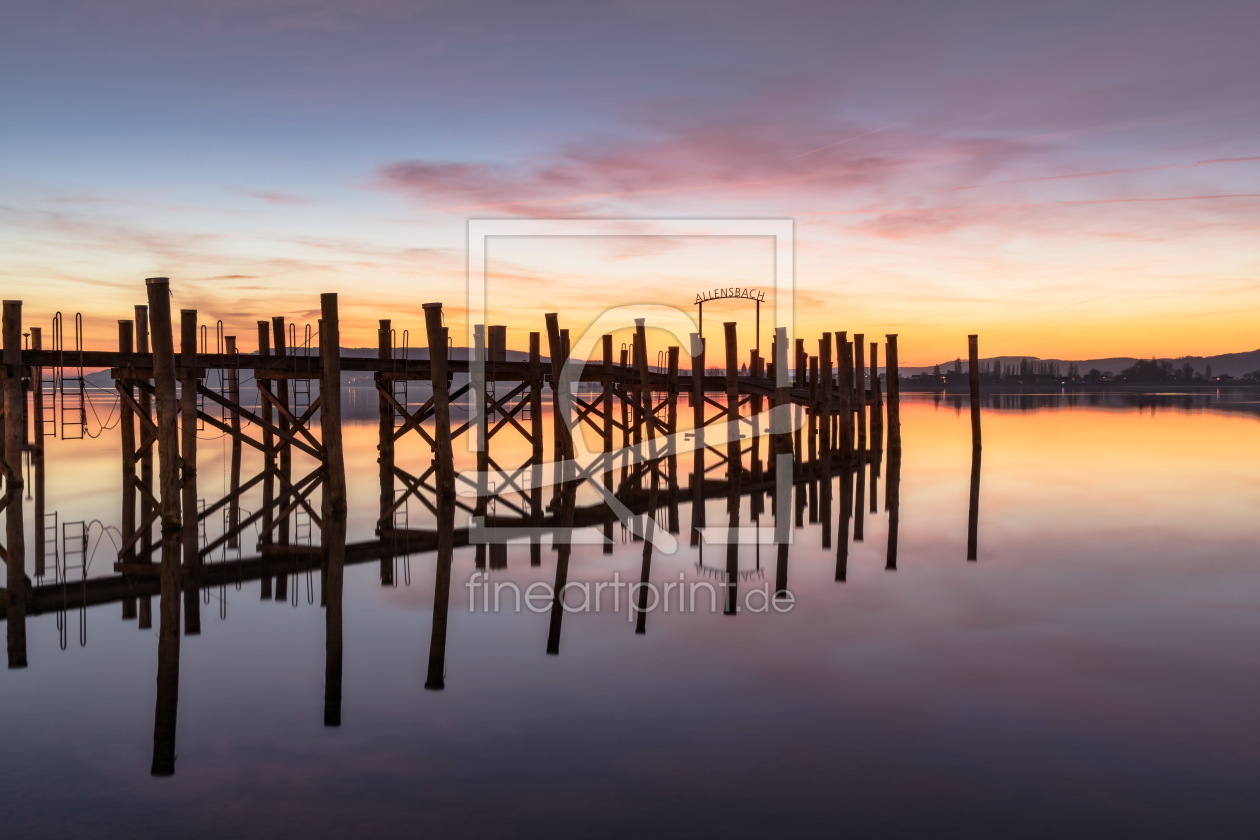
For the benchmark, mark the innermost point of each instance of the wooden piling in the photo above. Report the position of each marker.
(859, 386)
(233, 377)
(37, 411)
(894, 395)
(846, 391)
(269, 481)
(385, 437)
(127, 433)
(146, 456)
(188, 462)
(158, 289)
(824, 396)
(330, 403)
(14, 426)
(443, 452)
(645, 378)
(697, 388)
(973, 378)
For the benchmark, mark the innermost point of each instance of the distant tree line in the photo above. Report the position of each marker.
(1041, 372)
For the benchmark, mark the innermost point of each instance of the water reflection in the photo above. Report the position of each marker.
(845, 651)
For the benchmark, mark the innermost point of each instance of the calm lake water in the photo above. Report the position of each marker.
(1092, 673)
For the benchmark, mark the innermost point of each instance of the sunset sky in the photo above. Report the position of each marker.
(1067, 179)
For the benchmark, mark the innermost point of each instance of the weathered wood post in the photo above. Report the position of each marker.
(284, 454)
(385, 438)
(645, 378)
(14, 426)
(269, 443)
(37, 452)
(846, 391)
(697, 388)
(560, 393)
(127, 438)
(188, 462)
(877, 401)
(146, 456)
(443, 452)
(859, 386)
(127, 435)
(813, 409)
(894, 396)
(536, 396)
(536, 446)
(824, 396)
(158, 289)
(233, 376)
(973, 378)
(330, 405)
(671, 384)
(606, 397)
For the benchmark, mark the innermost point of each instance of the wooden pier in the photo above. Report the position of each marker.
(174, 378)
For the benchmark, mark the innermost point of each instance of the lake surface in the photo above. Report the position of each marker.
(1092, 673)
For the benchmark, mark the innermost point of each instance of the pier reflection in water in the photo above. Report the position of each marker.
(1016, 690)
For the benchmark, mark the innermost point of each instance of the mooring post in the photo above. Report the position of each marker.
(14, 426)
(859, 386)
(330, 403)
(801, 371)
(536, 446)
(385, 438)
(813, 408)
(171, 575)
(645, 378)
(846, 389)
(824, 371)
(127, 433)
(697, 388)
(188, 461)
(37, 452)
(973, 378)
(732, 372)
(671, 416)
(535, 396)
(443, 452)
(560, 393)
(146, 455)
(894, 396)
(481, 427)
(233, 377)
(876, 401)
(269, 459)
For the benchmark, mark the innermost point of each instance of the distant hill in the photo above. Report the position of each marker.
(1234, 364)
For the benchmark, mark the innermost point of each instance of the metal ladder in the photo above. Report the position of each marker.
(74, 545)
(71, 390)
(50, 386)
(52, 547)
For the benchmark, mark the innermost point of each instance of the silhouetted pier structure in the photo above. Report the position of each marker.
(165, 370)
(777, 435)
